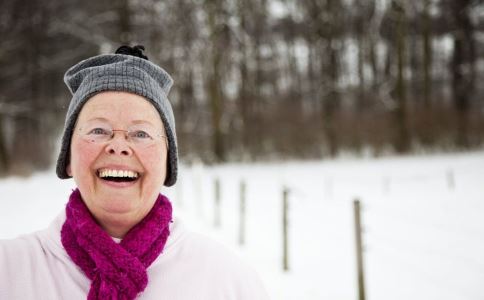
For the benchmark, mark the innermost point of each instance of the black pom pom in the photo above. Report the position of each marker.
(134, 51)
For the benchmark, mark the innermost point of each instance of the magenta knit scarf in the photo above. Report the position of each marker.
(117, 271)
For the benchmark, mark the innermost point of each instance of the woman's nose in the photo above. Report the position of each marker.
(119, 145)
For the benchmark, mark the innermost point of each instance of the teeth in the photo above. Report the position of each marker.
(117, 173)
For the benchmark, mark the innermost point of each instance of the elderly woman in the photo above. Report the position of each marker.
(117, 238)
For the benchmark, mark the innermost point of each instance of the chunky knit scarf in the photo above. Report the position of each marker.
(117, 271)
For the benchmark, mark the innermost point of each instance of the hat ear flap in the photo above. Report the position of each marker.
(69, 170)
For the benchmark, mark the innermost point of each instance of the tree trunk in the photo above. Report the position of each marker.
(214, 81)
(244, 98)
(359, 26)
(124, 15)
(330, 74)
(462, 68)
(26, 150)
(3, 150)
(427, 56)
(402, 137)
(373, 38)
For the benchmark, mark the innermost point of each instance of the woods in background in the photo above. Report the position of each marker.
(258, 79)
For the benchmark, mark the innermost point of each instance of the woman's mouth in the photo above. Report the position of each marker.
(114, 175)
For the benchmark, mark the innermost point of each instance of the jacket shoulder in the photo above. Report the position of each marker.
(217, 263)
(20, 260)
(20, 247)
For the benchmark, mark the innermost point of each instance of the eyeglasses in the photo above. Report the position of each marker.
(142, 137)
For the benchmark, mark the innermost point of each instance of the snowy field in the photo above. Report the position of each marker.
(423, 220)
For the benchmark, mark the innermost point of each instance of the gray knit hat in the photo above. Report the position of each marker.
(119, 72)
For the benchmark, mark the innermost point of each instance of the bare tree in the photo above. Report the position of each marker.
(217, 39)
(326, 25)
(252, 82)
(125, 27)
(462, 66)
(427, 54)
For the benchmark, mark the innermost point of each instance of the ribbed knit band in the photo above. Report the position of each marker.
(119, 72)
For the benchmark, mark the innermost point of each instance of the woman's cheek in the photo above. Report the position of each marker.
(154, 165)
(83, 155)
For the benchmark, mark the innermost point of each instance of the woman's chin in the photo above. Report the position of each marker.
(117, 198)
(119, 205)
(117, 216)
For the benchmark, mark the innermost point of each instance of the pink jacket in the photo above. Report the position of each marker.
(191, 267)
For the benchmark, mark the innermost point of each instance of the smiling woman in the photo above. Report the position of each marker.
(116, 203)
(117, 238)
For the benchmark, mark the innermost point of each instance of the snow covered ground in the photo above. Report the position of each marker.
(423, 220)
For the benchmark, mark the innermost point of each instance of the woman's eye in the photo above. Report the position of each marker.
(140, 134)
(98, 131)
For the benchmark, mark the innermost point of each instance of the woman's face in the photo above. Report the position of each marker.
(120, 177)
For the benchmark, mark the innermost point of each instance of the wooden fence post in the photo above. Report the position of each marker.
(359, 250)
(242, 213)
(216, 220)
(450, 179)
(285, 227)
(179, 192)
(328, 186)
(386, 185)
(197, 188)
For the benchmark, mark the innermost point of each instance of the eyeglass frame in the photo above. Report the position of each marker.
(126, 136)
